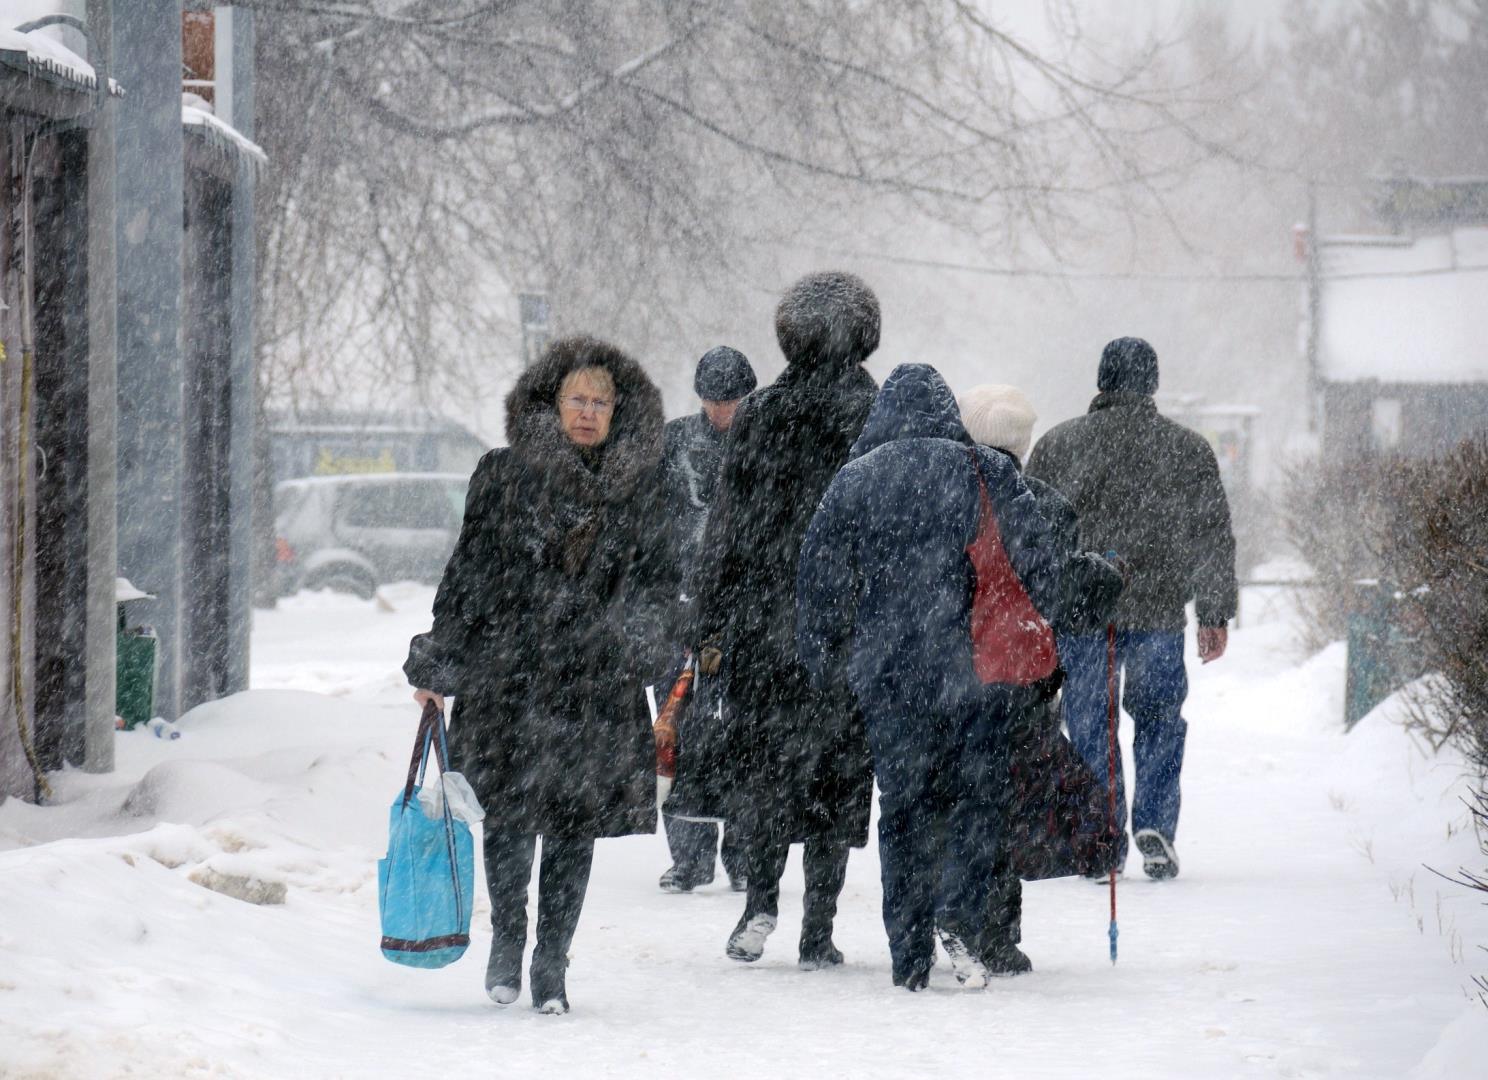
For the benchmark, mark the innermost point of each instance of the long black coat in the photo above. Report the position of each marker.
(554, 607)
(786, 758)
(1148, 489)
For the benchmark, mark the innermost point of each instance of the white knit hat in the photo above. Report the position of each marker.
(999, 416)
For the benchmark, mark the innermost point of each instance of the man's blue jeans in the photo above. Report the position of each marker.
(941, 785)
(1152, 692)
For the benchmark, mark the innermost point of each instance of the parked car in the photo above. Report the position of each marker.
(354, 533)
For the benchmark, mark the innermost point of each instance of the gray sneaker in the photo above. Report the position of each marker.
(1159, 859)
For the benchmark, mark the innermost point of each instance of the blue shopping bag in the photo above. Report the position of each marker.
(426, 882)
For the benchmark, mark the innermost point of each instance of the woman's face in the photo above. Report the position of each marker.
(586, 404)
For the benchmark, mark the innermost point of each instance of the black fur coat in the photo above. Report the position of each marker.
(555, 607)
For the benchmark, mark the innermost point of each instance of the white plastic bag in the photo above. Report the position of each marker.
(462, 801)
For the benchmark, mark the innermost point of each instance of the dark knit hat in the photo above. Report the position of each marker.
(723, 374)
(1129, 364)
(828, 319)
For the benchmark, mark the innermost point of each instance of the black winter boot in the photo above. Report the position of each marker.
(504, 971)
(549, 995)
(1006, 959)
(825, 864)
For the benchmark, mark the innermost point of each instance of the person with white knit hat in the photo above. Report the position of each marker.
(1001, 417)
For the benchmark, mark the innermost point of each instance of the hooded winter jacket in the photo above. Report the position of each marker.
(554, 606)
(1148, 489)
(885, 584)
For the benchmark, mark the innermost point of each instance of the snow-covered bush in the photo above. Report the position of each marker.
(1421, 526)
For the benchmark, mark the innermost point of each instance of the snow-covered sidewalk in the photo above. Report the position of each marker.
(1304, 937)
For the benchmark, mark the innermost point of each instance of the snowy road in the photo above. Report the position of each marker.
(1303, 939)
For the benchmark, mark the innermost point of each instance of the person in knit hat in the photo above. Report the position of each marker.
(1149, 490)
(1001, 418)
(693, 451)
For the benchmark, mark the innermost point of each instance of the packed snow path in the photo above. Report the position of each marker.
(1302, 939)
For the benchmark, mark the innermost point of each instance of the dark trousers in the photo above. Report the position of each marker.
(941, 781)
(1152, 693)
(1004, 927)
(825, 865)
(694, 845)
(563, 878)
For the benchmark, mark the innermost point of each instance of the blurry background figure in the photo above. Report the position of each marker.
(1149, 490)
(693, 452)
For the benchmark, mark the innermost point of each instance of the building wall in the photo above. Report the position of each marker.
(1363, 418)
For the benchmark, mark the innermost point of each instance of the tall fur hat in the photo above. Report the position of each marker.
(829, 318)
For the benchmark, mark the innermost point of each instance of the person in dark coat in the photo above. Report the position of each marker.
(693, 452)
(1149, 490)
(557, 601)
(885, 600)
(1001, 418)
(792, 763)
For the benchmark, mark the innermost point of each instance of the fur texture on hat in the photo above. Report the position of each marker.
(1128, 364)
(827, 319)
(999, 416)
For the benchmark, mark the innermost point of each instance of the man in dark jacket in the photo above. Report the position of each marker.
(1149, 490)
(885, 600)
(792, 763)
(1001, 418)
(693, 451)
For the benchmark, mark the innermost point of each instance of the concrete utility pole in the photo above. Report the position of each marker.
(103, 551)
(235, 95)
(149, 203)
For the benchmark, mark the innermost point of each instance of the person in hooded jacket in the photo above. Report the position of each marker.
(1001, 418)
(1149, 490)
(693, 452)
(792, 762)
(557, 601)
(886, 589)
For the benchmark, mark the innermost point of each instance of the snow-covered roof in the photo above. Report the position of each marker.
(39, 54)
(198, 118)
(1403, 309)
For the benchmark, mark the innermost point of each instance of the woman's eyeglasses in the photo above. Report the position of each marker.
(577, 404)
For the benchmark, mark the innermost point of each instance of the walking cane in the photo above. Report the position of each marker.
(1111, 762)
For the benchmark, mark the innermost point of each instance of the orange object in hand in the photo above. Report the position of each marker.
(665, 728)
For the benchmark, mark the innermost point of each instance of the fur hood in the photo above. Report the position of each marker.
(633, 447)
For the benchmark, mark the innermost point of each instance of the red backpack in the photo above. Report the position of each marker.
(1010, 641)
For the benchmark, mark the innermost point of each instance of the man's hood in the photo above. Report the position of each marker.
(915, 403)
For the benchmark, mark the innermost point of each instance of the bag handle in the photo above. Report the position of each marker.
(432, 720)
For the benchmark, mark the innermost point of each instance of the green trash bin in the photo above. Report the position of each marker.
(1383, 655)
(137, 662)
